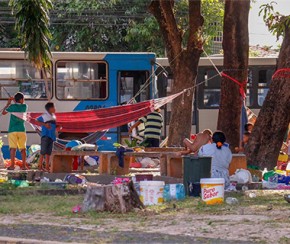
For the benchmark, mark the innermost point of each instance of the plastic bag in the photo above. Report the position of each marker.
(242, 176)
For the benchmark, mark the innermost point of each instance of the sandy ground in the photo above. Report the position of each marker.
(263, 219)
(243, 227)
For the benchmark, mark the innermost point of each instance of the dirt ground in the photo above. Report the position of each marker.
(263, 219)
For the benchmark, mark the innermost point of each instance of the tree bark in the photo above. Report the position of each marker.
(236, 54)
(112, 198)
(183, 62)
(274, 117)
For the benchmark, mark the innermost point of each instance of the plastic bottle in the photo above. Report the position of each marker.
(232, 200)
(166, 193)
(173, 191)
(252, 195)
(180, 192)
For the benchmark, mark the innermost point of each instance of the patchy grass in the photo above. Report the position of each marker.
(19, 203)
(267, 212)
(57, 205)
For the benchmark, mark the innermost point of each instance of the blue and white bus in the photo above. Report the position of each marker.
(78, 81)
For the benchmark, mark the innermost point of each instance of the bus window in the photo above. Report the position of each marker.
(265, 77)
(130, 83)
(211, 90)
(81, 80)
(20, 76)
(211, 98)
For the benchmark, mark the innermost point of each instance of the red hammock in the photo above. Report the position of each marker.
(102, 119)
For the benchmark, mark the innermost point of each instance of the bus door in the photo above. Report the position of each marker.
(132, 84)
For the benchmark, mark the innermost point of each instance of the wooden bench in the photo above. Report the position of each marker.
(61, 161)
(239, 161)
(109, 164)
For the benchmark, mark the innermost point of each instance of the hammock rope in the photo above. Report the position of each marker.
(242, 85)
(281, 73)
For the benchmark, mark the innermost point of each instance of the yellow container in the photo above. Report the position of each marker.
(212, 190)
(283, 158)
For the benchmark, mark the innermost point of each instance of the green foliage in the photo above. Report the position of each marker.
(112, 25)
(275, 21)
(32, 25)
(89, 25)
(146, 34)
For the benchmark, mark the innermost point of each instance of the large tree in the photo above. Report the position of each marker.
(32, 26)
(236, 54)
(183, 53)
(274, 117)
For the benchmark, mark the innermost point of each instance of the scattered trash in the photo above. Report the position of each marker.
(20, 183)
(151, 192)
(77, 209)
(146, 162)
(194, 189)
(173, 192)
(232, 187)
(287, 198)
(33, 148)
(135, 165)
(92, 161)
(119, 181)
(232, 200)
(255, 178)
(18, 163)
(242, 176)
(75, 179)
(252, 195)
(44, 180)
(3, 178)
(85, 147)
(245, 188)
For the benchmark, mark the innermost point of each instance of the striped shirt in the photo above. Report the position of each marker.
(153, 124)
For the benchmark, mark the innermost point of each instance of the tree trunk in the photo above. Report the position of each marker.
(236, 54)
(274, 117)
(185, 71)
(183, 61)
(113, 198)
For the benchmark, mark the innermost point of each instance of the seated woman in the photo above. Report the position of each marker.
(199, 140)
(221, 156)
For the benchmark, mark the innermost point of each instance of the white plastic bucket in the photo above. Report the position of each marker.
(151, 192)
(212, 190)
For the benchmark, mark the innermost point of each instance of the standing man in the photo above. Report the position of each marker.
(153, 123)
(16, 131)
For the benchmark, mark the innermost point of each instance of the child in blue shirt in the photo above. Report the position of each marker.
(48, 134)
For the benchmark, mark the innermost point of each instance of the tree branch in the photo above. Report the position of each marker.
(196, 20)
(163, 12)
